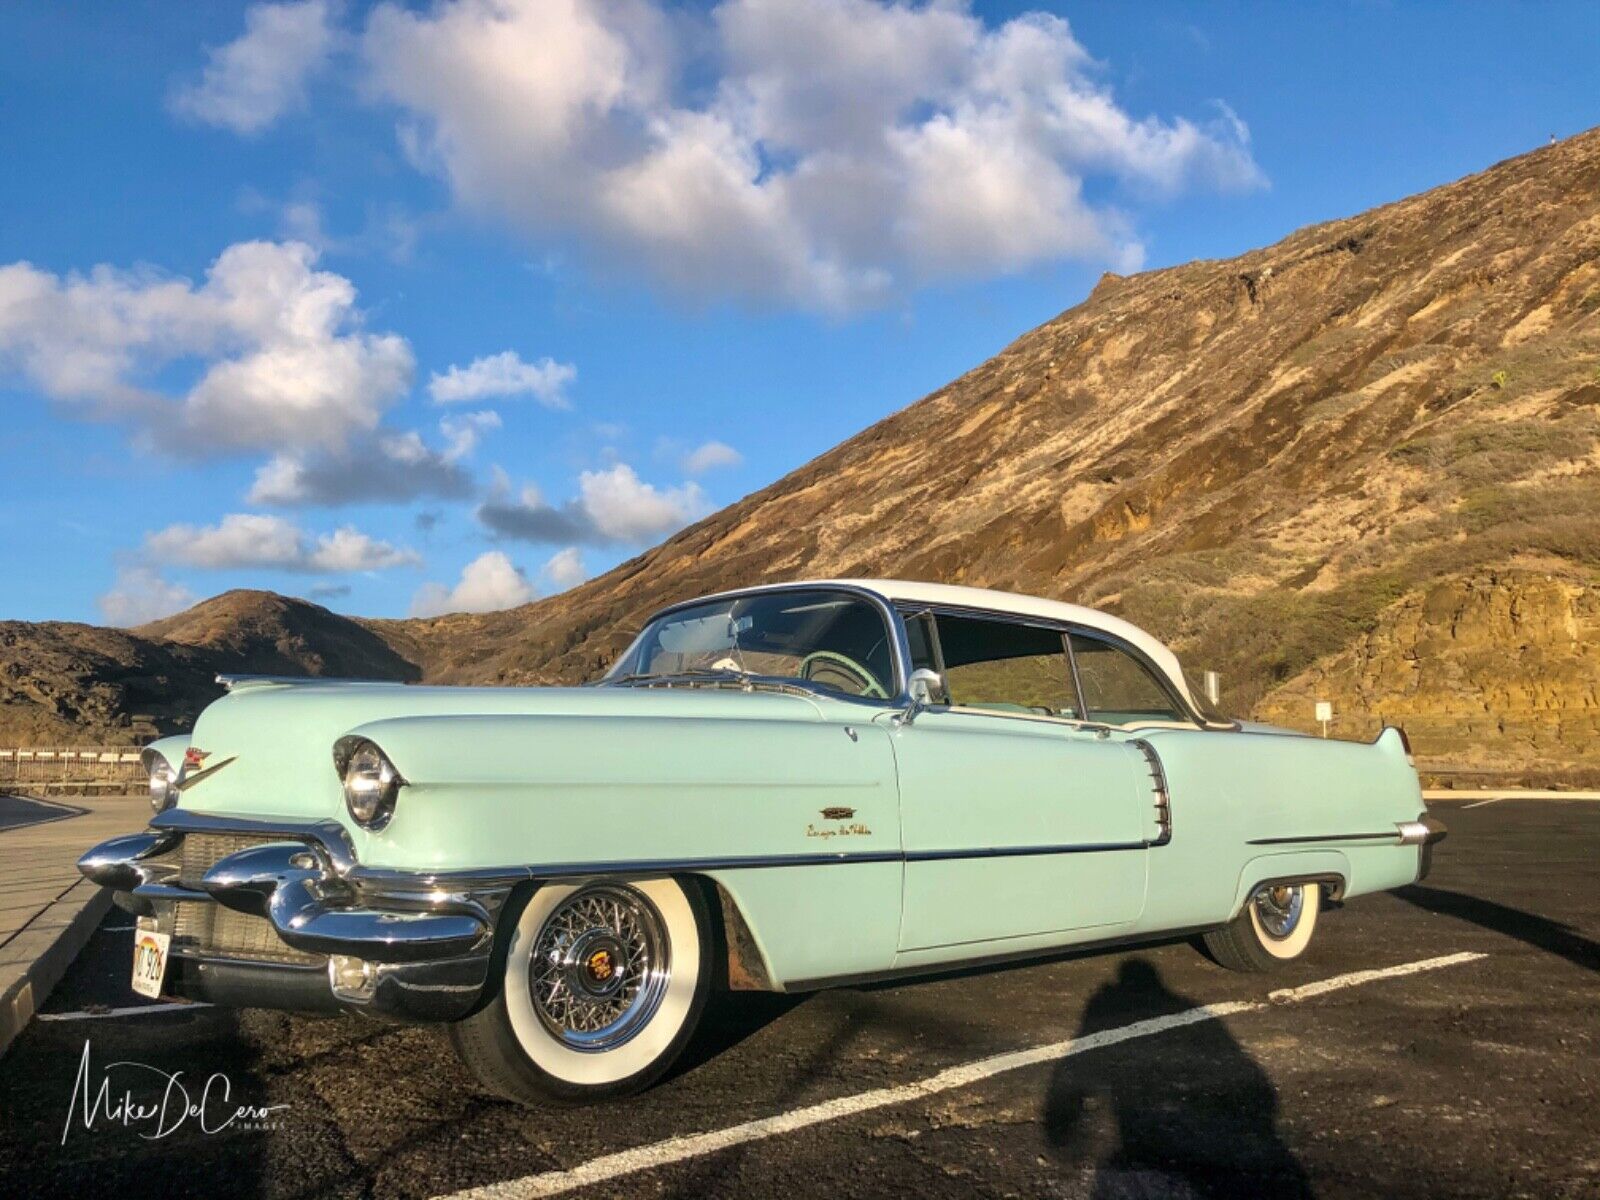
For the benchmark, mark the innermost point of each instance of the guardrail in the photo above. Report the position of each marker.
(79, 770)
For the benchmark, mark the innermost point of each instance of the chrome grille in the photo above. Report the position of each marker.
(199, 852)
(206, 926)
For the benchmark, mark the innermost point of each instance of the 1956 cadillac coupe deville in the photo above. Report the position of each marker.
(783, 788)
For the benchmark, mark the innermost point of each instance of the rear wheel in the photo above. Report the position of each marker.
(603, 983)
(1274, 927)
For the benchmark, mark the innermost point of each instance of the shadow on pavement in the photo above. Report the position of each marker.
(1540, 932)
(1188, 1113)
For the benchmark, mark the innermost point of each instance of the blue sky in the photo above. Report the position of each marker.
(410, 309)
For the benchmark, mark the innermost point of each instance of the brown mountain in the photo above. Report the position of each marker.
(1362, 464)
(64, 683)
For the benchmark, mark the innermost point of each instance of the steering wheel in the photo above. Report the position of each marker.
(847, 674)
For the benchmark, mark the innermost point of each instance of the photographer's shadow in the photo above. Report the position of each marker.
(1184, 1113)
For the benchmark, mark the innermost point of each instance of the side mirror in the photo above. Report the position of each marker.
(923, 686)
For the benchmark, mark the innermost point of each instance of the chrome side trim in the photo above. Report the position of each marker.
(1392, 835)
(1024, 851)
(233, 683)
(1158, 785)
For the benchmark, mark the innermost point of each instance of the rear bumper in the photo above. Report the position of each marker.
(283, 916)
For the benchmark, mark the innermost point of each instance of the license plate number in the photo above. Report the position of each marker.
(150, 961)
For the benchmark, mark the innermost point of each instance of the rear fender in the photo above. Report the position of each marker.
(1330, 868)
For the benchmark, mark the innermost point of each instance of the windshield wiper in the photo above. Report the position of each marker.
(630, 677)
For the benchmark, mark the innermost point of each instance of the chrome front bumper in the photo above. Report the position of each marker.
(315, 930)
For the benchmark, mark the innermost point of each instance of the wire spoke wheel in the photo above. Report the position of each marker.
(599, 967)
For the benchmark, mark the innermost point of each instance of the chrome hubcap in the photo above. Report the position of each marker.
(599, 968)
(1279, 909)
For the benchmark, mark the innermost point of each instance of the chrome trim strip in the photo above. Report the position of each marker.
(391, 881)
(1325, 837)
(233, 682)
(1024, 851)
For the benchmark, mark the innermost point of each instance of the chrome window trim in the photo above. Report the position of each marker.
(908, 609)
(899, 646)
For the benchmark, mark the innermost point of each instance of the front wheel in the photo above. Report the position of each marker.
(1274, 927)
(603, 984)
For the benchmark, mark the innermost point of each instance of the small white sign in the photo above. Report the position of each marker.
(1324, 710)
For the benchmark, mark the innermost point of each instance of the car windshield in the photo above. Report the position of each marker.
(830, 639)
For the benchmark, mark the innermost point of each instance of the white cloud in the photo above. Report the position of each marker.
(488, 583)
(283, 363)
(390, 467)
(348, 549)
(261, 75)
(140, 594)
(613, 505)
(709, 456)
(625, 508)
(842, 150)
(503, 375)
(565, 568)
(243, 540)
(463, 432)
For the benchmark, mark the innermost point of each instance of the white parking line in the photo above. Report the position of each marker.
(1481, 803)
(674, 1150)
(135, 1010)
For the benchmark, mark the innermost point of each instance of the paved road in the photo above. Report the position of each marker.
(19, 811)
(1478, 1078)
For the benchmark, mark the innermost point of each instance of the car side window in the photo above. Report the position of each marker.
(1006, 667)
(919, 639)
(1117, 688)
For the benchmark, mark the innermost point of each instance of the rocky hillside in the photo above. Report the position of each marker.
(1362, 464)
(63, 683)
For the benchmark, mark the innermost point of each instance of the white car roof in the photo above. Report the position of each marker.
(909, 591)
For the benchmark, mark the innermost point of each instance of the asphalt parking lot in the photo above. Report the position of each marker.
(1466, 1076)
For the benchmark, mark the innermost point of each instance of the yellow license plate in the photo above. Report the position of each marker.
(150, 961)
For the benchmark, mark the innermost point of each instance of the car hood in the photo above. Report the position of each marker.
(268, 748)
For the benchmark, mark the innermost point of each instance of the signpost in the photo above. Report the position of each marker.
(1324, 714)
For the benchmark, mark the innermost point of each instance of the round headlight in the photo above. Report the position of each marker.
(370, 784)
(163, 785)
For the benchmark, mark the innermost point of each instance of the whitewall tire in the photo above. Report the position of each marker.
(601, 985)
(1274, 927)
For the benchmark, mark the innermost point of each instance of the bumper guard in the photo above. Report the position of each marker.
(410, 945)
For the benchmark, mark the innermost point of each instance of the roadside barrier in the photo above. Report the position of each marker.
(71, 770)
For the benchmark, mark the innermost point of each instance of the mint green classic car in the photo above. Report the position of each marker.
(785, 788)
